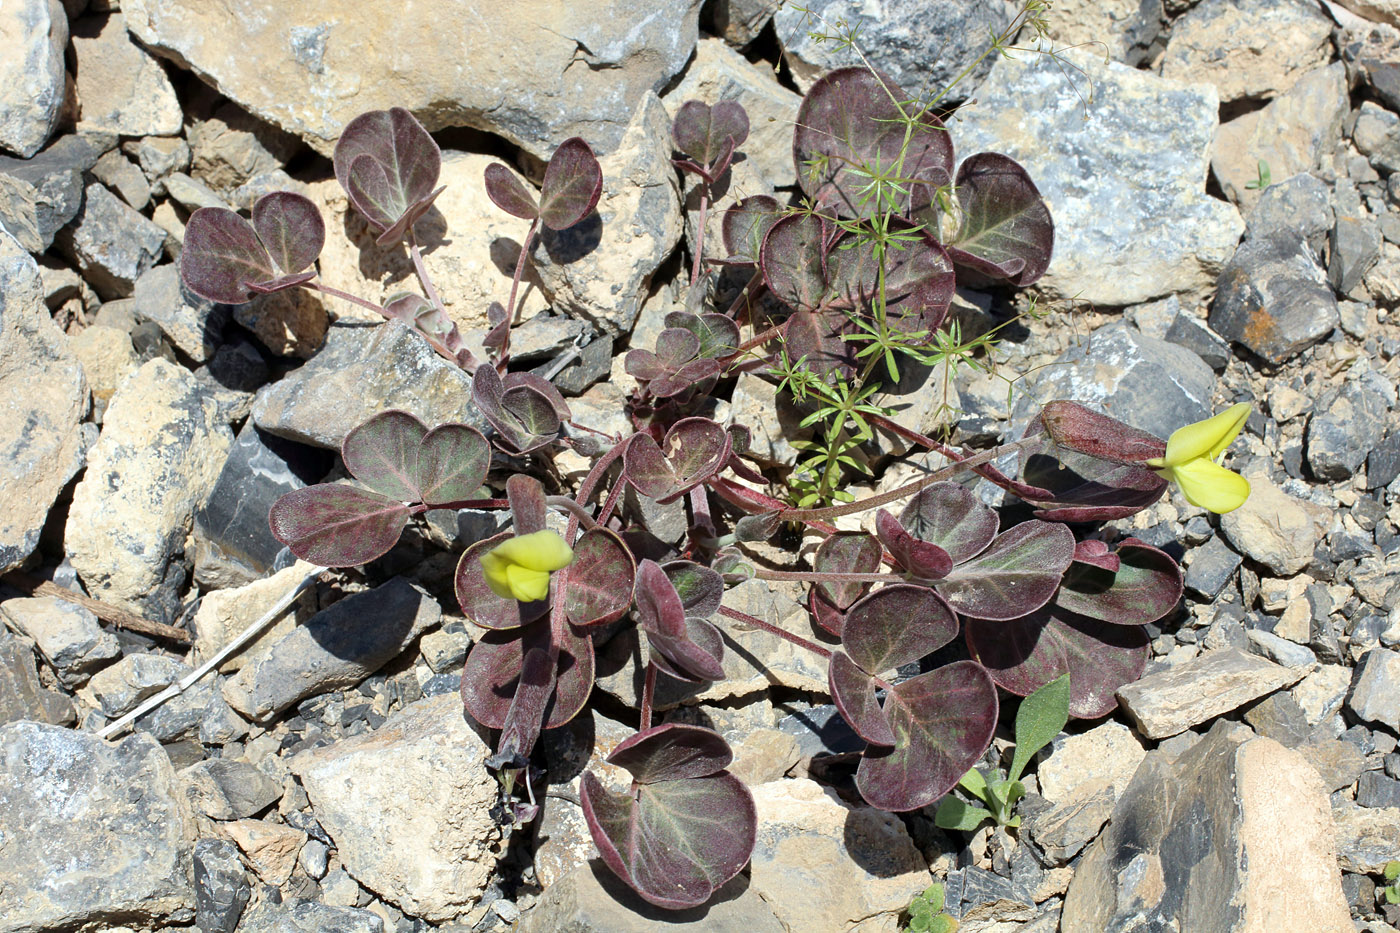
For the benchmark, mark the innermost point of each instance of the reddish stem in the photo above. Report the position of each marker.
(770, 627)
(648, 695)
(700, 237)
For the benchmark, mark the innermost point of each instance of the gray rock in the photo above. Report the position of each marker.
(1371, 53)
(431, 848)
(232, 375)
(1062, 831)
(1272, 528)
(94, 832)
(1383, 462)
(360, 372)
(1280, 650)
(591, 899)
(1376, 134)
(337, 648)
(1110, 171)
(1338, 763)
(1191, 334)
(1355, 246)
(1300, 206)
(232, 540)
(41, 447)
(231, 147)
(221, 888)
(590, 363)
(111, 244)
(39, 196)
(156, 461)
(1374, 789)
(193, 324)
(1202, 688)
(125, 178)
(309, 917)
(21, 694)
(922, 45)
(599, 268)
(226, 789)
(1348, 426)
(33, 35)
(119, 687)
(1274, 299)
(1150, 383)
(191, 193)
(67, 636)
(199, 712)
(1279, 717)
(158, 156)
(974, 896)
(740, 21)
(1375, 689)
(314, 858)
(1191, 838)
(1212, 566)
(120, 86)
(1248, 48)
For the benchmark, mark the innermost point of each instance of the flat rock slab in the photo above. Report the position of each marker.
(1197, 691)
(1233, 835)
(92, 833)
(408, 807)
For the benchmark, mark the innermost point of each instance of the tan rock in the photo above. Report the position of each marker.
(271, 848)
(1248, 48)
(1108, 754)
(33, 34)
(223, 614)
(1272, 527)
(121, 87)
(107, 357)
(289, 323)
(1174, 700)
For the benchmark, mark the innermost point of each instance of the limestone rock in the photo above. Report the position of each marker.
(107, 358)
(67, 636)
(1195, 844)
(1255, 48)
(121, 87)
(111, 244)
(1111, 170)
(1174, 700)
(1366, 837)
(193, 324)
(21, 694)
(224, 613)
(93, 832)
(740, 21)
(1375, 691)
(570, 71)
(1273, 298)
(47, 398)
(220, 886)
(38, 196)
(156, 461)
(271, 848)
(1106, 755)
(292, 322)
(119, 687)
(309, 917)
(33, 35)
(1272, 527)
(1131, 29)
(231, 146)
(599, 268)
(125, 178)
(430, 848)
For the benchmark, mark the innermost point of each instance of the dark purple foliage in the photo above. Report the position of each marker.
(388, 164)
(225, 258)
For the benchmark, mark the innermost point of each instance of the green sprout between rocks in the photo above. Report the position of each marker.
(926, 912)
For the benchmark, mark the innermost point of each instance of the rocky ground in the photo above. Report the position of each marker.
(1249, 781)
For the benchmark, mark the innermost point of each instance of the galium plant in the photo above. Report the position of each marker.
(869, 259)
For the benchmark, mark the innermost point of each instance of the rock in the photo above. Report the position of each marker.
(121, 87)
(976, 897)
(1280, 650)
(39, 196)
(774, 420)
(1274, 298)
(822, 865)
(33, 35)
(1272, 528)
(158, 157)
(1130, 29)
(1374, 789)
(1192, 840)
(225, 613)
(1197, 691)
(107, 358)
(1375, 688)
(93, 832)
(292, 322)
(922, 45)
(1349, 424)
(1279, 717)
(111, 244)
(271, 848)
(1383, 462)
(741, 21)
(232, 375)
(191, 193)
(1355, 247)
(124, 177)
(156, 461)
(193, 324)
(718, 73)
(1295, 133)
(1212, 565)
(1150, 383)
(430, 850)
(1338, 763)
(1300, 206)
(1252, 49)
(221, 888)
(42, 447)
(21, 694)
(231, 146)
(337, 648)
(1322, 692)
(360, 372)
(1366, 837)
(227, 789)
(1110, 171)
(1063, 830)
(67, 636)
(470, 248)
(591, 899)
(599, 268)
(199, 712)
(119, 687)
(445, 649)
(233, 544)
(309, 917)
(581, 75)
(1191, 334)
(1106, 755)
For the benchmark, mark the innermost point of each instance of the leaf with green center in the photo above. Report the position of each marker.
(382, 453)
(290, 229)
(849, 128)
(221, 255)
(1016, 575)
(337, 526)
(597, 586)
(918, 279)
(718, 335)
(672, 752)
(897, 624)
(1006, 231)
(960, 815)
(388, 164)
(942, 722)
(693, 451)
(661, 614)
(708, 134)
(745, 225)
(494, 664)
(480, 604)
(452, 463)
(508, 193)
(843, 552)
(700, 588)
(919, 559)
(1039, 718)
(951, 516)
(853, 692)
(1146, 586)
(526, 411)
(573, 182)
(1024, 654)
(793, 260)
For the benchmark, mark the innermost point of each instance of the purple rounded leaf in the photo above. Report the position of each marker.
(597, 586)
(708, 134)
(846, 552)
(382, 453)
(919, 281)
(952, 517)
(746, 224)
(479, 602)
(672, 752)
(700, 588)
(920, 559)
(336, 525)
(1016, 575)
(290, 228)
(793, 259)
(508, 193)
(1146, 585)
(388, 164)
(896, 624)
(492, 673)
(221, 255)
(696, 656)
(573, 182)
(452, 463)
(1006, 230)
(718, 335)
(853, 692)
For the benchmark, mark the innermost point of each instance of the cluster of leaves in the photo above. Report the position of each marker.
(926, 912)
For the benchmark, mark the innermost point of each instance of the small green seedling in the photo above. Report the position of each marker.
(1263, 180)
(1041, 717)
(926, 912)
(1391, 891)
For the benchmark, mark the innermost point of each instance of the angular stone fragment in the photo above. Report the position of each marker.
(1272, 528)
(1107, 754)
(125, 178)
(156, 461)
(224, 613)
(111, 244)
(1197, 691)
(339, 647)
(221, 888)
(1212, 565)
(21, 694)
(271, 848)
(67, 636)
(1063, 830)
(430, 848)
(1298, 206)
(121, 87)
(309, 917)
(33, 34)
(40, 444)
(1375, 689)
(1193, 841)
(39, 195)
(292, 322)
(93, 832)
(1110, 171)
(121, 686)
(226, 789)
(1274, 298)
(194, 325)
(1349, 424)
(1366, 837)
(231, 146)
(1248, 48)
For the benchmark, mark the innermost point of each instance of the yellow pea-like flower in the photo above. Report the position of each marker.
(1192, 461)
(519, 567)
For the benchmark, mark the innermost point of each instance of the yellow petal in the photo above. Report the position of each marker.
(1209, 485)
(527, 585)
(1207, 438)
(541, 550)
(494, 570)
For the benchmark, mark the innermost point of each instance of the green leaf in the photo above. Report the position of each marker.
(1041, 717)
(974, 783)
(943, 924)
(957, 814)
(933, 896)
(1392, 896)
(1392, 870)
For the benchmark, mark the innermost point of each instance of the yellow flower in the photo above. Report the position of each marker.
(1192, 461)
(519, 567)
